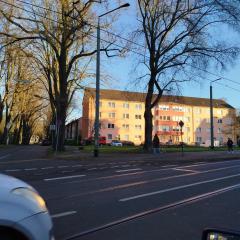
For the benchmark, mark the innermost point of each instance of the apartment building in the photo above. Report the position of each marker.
(122, 117)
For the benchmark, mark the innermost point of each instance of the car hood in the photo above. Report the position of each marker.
(8, 183)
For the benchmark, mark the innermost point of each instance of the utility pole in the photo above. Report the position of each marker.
(211, 113)
(96, 125)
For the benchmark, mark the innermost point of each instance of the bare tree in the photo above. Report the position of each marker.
(177, 35)
(60, 36)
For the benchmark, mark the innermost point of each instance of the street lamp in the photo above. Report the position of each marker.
(96, 136)
(211, 113)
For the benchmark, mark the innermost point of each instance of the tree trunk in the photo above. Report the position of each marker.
(148, 117)
(61, 113)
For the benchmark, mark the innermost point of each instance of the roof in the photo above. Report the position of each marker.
(140, 97)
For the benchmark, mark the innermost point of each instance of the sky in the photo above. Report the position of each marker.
(122, 74)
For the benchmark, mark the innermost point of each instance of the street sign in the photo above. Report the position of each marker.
(52, 127)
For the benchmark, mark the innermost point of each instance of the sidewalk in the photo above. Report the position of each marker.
(165, 157)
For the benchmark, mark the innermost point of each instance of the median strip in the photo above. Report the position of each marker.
(62, 178)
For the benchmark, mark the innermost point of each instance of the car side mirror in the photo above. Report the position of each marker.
(216, 234)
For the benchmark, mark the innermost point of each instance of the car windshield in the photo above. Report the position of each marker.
(123, 116)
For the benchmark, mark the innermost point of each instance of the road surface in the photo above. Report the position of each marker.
(129, 199)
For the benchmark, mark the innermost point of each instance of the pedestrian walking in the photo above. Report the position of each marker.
(230, 145)
(156, 144)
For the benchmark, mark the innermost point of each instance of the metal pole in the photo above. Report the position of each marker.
(96, 137)
(182, 140)
(211, 118)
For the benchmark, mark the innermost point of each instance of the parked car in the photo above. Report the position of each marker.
(116, 143)
(90, 140)
(127, 143)
(46, 142)
(23, 215)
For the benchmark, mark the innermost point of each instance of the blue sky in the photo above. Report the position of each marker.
(121, 70)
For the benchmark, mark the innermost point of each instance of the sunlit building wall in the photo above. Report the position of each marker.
(122, 117)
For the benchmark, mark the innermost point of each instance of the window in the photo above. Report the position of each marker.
(138, 116)
(187, 119)
(176, 129)
(219, 120)
(109, 136)
(168, 118)
(125, 105)
(177, 118)
(111, 104)
(198, 110)
(163, 107)
(164, 118)
(139, 137)
(198, 129)
(110, 125)
(138, 127)
(177, 108)
(199, 139)
(126, 115)
(138, 106)
(219, 130)
(165, 128)
(220, 112)
(111, 115)
(125, 126)
(126, 137)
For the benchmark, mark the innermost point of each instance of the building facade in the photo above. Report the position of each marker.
(122, 117)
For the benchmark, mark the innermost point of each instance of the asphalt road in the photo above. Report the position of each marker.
(128, 199)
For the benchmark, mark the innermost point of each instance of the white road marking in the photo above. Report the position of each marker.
(129, 170)
(185, 170)
(5, 156)
(30, 169)
(78, 165)
(127, 165)
(90, 169)
(114, 166)
(62, 166)
(62, 178)
(177, 188)
(46, 168)
(169, 165)
(13, 170)
(64, 214)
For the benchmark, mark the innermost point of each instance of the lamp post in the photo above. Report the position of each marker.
(211, 113)
(96, 125)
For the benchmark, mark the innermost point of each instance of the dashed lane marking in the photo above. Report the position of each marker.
(129, 170)
(63, 178)
(78, 165)
(91, 169)
(185, 170)
(46, 168)
(64, 214)
(13, 170)
(30, 169)
(63, 166)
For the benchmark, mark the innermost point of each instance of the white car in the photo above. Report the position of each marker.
(116, 143)
(23, 212)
